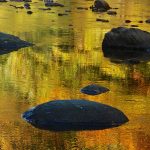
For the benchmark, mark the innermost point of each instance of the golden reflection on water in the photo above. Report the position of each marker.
(66, 57)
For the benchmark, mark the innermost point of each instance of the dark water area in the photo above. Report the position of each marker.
(66, 57)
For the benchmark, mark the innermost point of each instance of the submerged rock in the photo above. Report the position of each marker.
(127, 44)
(100, 6)
(61, 115)
(10, 43)
(94, 89)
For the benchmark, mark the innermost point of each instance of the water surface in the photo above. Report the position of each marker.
(66, 57)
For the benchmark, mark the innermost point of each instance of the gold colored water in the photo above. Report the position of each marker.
(66, 57)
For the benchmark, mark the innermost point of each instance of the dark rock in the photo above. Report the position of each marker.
(44, 8)
(62, 14)
(82, 8)
(127, 21)
(100, 6)
(27, 6)
(102, 20)
(29, 12)
(110, 12)
(127, 44)
(140, 21)
(10, 43)
(62, 115)
(147, 21)
(53, 4)
(94, 89)
(130, 38)
(134, 26)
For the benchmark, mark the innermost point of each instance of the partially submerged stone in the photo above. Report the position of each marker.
(102, 20)
(100, 6)
(127, 44)
(94, 89)
(10, 43)
(130, 38)
(61, 115)
(53, 4)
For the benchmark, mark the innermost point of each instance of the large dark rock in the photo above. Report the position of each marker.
(127, 44)
(61, 115)
(100, 5)
(10, 43)
(94, 89)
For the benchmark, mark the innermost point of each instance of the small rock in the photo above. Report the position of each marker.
(44, 8)
(102, 20)
(60, 14)
(127, 21)
(134, 26)
(82, 8)
(147, 21)
(94, 89)
(52, 4)
(140, 21)
(100, 6)
(29, 12)
(27, 6)
(110, 12)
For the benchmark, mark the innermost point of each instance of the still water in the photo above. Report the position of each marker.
(66, 57)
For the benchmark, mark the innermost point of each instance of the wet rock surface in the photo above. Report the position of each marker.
(61, 115)
(10, 43)
(94, 89)
(53, 4)
(127, 44)
(130, 38)
(100, 6)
